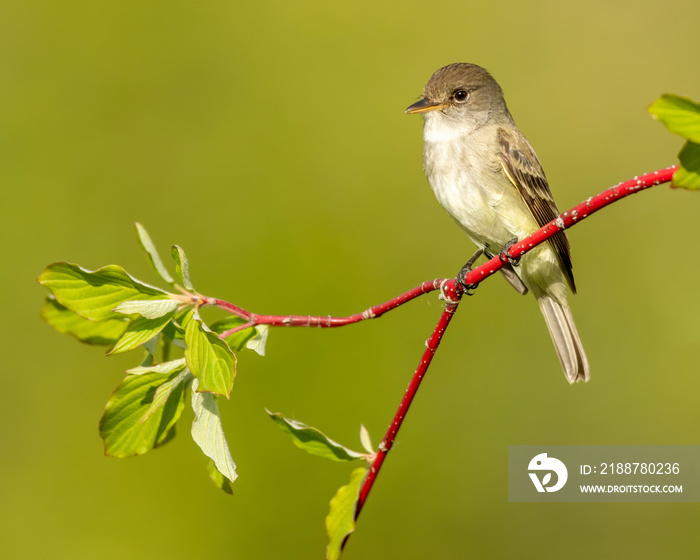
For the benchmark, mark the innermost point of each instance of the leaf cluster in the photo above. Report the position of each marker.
(184, 359)
(181, 352)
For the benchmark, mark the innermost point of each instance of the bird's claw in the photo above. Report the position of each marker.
(461, 280)
(505, 257)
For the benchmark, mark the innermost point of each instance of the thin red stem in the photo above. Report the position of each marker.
(328, 321)
(569, 219)
(234, 309)
(411, 390)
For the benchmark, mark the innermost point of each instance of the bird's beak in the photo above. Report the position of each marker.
(424, 106)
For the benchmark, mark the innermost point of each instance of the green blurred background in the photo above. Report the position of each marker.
(269, 140)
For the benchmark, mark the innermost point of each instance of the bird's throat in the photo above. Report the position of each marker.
(439, 128)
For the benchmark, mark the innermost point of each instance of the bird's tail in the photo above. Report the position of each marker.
(565, 337)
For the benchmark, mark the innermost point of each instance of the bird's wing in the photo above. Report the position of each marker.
(522, 167)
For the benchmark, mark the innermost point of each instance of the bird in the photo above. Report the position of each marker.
(488, 178)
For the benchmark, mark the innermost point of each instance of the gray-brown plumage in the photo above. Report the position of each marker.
(524, 170)
(487, 176)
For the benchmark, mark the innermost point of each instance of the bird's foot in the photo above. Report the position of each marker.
(461, 281)
(505, 256)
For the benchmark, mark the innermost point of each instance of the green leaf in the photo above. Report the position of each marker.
(140, 330)
(688, 174)
(66, 322)
(340, 521)
(149, 308)
(210, 359)
(93, 294)
(153, 256)
(312, 440)
(679, 114)
(259, 341)
(365, 440)
(175, 330)
(182, 266)
(164, 391)
(221, 482)
(208, 433)
(121, 428)
(238, 340)
(165, 367)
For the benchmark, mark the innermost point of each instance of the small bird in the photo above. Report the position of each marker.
(487, 177)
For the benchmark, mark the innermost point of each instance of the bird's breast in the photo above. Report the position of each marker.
(469, 183)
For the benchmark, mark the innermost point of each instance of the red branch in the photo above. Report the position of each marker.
(570, 218)
(388, 441)
(319, 321)
(452, 295)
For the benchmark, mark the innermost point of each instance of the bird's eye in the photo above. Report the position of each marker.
(460, 95)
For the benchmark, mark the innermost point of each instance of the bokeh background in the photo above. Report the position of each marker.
(269, 140)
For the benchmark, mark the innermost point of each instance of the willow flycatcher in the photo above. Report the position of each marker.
(486, 175)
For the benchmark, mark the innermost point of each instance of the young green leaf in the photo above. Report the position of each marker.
(236, 341)
(312, 440)
(148, 308)
(140, 331)
(220, 481)
(679, 115)
(208, 433)
(365, 440)
(210, 359)
(259, 341)
(175, 330)
(65, 321)
(153, 256)
(121, 428)
(165, 367)
(182, 267)
(340, 521)
(164, 391)
(93, 294)
(688, 174)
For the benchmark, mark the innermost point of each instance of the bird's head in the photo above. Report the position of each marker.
(462, 95)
